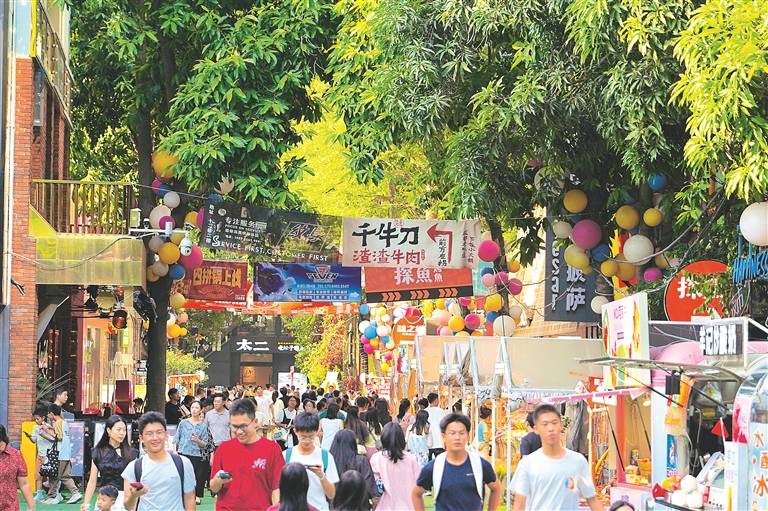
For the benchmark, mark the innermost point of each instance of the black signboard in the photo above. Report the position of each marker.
(568, 292)
(271, 234)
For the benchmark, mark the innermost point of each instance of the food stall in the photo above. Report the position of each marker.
(483, 386)
(429, 358)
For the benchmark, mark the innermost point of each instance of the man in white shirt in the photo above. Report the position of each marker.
(264, 405)
(436, 414)
(218, 420)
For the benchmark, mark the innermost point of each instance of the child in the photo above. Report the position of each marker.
(107, 497)
(42, 436)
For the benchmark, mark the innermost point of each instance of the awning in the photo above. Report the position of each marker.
(46, 315)
(634, 393)
(692, 370)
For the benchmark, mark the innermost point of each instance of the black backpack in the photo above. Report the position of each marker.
(177, 461)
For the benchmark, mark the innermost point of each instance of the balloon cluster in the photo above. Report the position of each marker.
(588, 250)
(172, 256)
(376, 330)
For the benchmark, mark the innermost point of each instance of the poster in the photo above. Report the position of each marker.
(625, 335)
(681, 303)
(568, 293)
(479, 288)
(271, 234)
(217, 281)
(399, 284)
(303, 282)
(385, 242)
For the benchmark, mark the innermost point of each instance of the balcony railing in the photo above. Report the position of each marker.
(84, 207)
(47, 48)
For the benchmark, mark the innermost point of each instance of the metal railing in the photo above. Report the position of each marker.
(47, 48)
(84, 207)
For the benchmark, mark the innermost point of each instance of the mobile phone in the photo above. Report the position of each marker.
(137, 485)
(225, 475)
(312, 466)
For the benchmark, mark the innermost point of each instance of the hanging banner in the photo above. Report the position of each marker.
(398, 284)
(625, 335)
(385, 242)
(568, 292)
(217, 281)
(271, 234)
(302, 282)
(405, 330)
(681, 303)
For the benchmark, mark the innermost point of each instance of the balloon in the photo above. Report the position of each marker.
(515, 287)
(172, 199)
(575, 201)
(385, 339)
(160, 188)
(177, 237)
(472, 321)
(661, 261)
(190, 219)
(368, 349)
(490, 317)
(193, 260)
(456, 323)
(657, 181)
(652, 274)
(494, 303)
(462, 333)
(160, 268)
(586, 234)
(382, 331)
(503, 325)
(200, 218)
(638, 249)
(626, 271)
(363, 326)
(513, 266)
(455, 309)
(653, 217)
(386, 318)
(609, 268)
(173, 331)
(364, 309)
(177, 300)
(576, 257)
(155, 242)
(166, 222)
(384, 367)
(440, 303)
(464, 301)
(551, 177)
(176, 272)
(370, 331)
(486, 236)
(441, 317)
(414, 312)
(502, 278)
(627, 217)
(151, 276)
(169, 253)
(597, 304)
(215, 198)
(183, 332)
(156, 214)
(516, 312)
(183, 318)
(753, 223)
(600, 253)
(388, 356)
(562, 229)
(171, 319)
(374, 342)
(488, 280)
(444, 331)
(162, 164)
(486, 271)
(477, 333)
(488, 251)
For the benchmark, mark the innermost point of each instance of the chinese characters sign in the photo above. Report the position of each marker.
(410, 243)
(217, 281)
(396, 284)
(625, 335)
(302, 282)
(568, 292)
(680, 301)
(271, 234)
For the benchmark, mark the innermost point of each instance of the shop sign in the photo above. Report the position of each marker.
(271, 234)
(246, 345)
(625, 335)
(724, 339)
(680, 301)
(386, 242)
(400, 284)
(288, 346)
(750, 266)
(568, 292)
(405, 331)
(304, 282)
(217, 281)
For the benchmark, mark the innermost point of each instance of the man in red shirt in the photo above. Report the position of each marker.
(13, 474)
(252, 462)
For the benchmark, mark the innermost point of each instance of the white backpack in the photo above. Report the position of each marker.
(439, 468)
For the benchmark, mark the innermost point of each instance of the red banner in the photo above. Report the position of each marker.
(396, 284)
(217, 281)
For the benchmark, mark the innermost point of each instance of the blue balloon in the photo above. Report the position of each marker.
(370, 332)
(575, 218)
(491, 316)
(601, 252)
(384, 340)
(176, 272)
(629, 198)
(163, 189)
(634, 231)
(657, 181)
(486, 271)
(364, 309)
(215, 198)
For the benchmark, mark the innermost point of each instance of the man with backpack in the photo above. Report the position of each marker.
(321, 467)
(246, 468)
(159, 480)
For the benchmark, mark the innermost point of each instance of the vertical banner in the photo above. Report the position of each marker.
(386, 242)
(568, 292)
(625, 335)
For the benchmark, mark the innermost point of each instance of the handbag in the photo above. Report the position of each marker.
(51, 466)
(210, 446)
(281, 434)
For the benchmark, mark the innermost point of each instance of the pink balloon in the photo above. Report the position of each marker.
(445, 331)
(502, 278)
(199, 220)
(586, 234)
(652, 274)
(515, 286)
(156, 185)
(488, 280)
(165, 221)
(441, 317)
(488, 251)
(364, 339)
(412, 312)
(464, 301)
(472, 321)
(388, 356)
(368, 349)
(193, 260)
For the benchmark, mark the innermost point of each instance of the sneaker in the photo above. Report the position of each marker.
(197, 500)
(40, 496)
(75, 498)
(52, 501)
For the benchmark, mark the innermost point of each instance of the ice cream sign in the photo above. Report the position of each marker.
(625, 335)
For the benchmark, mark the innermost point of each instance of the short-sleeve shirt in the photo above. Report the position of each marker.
(65, 445)
(42, 443)
(458, 491)
(172, 412)
(111, 465)
(255, 470)
(163, 482)
(12, 467)
(316, 494)
(219, 425)
(554, 484)
(183, 437)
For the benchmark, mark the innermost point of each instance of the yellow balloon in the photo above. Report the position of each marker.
(151, 275)
(177, 300)
(183, 331)
(163, 163)
(626, 270)
(463, 333)
(169, 253)
(440, 303)
(575, 201)
(456, 323)
(587, 270)
(513, 266)
(191, 218)
(609, 268)
(385, 367)
(662, 261)
(653, 217)
(476, 333)
(576, 257)
(494, 303)
(177, 237)
(174, 330)
(374, 342)
(627, 217)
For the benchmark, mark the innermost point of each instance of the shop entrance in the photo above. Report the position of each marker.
(255, 369)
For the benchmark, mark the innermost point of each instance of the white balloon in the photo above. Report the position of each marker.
(363, 325)
(160, 268)
(503, 326)
(515, 311)
(156, 214)
(487, 236)
(155, 242)
(386, 318)
(454, 309)
(399, 312)
(597, 304)
(383, 331)
(171, 319)
(553, 177)
(171, 199)
(754, 224)
(562, 229)
(638, 249)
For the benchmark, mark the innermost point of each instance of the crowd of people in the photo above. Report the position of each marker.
(316, 450)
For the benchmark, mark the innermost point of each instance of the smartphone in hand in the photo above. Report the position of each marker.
(137, 485)
(225, 475)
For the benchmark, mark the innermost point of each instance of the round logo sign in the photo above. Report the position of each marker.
(680, 301)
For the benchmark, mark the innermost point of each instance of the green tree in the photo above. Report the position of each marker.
(184, 363)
